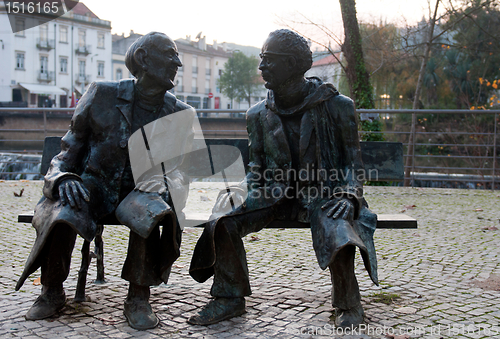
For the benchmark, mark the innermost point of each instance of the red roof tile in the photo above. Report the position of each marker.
(81, 9)
(329, 59)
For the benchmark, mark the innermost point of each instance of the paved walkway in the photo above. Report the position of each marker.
(440, 281)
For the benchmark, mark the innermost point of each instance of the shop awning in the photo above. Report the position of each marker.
(43, 89)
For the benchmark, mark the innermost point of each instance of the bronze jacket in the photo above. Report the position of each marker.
(95, 151)
(329, 144)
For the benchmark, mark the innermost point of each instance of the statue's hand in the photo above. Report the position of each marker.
(72, 192)
(226, 201)
(343, 208)
(154, 184)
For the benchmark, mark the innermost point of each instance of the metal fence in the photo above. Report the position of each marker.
(448, 148)
(451, 148)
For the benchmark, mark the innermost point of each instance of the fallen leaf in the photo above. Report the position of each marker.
(489, 228)
(37, 281)
(20, 194)
(416, 235)
(204, 198)
(202, 191)
(410, 207)
(254, 238)
(478, 210)
(178, 266)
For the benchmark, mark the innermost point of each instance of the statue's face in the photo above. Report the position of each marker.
(163, 62)
(275, 65)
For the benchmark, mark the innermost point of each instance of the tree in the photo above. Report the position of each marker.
(416, 99)
(466, 17)
(239, 79)
(357, 75)
(358, 78)
(474, 56)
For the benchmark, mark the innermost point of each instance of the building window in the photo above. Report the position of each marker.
(20, 27)
(82, 37)
(195, 64)
(205, 103)
(44, 32)
(19, 60)
(119, 74)
(100, 40)
(63, 34)
(207, 86)
(179, 86)
(180, 97)
(63, 101)
(194, 88)
(193, 101)
(100, 69)
(64, 65)
(44, 64)
(81, 68)
(208, 71)
(17, 96)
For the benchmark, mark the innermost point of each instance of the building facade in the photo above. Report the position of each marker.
(196, 80)
(44, 65)
(326, 67)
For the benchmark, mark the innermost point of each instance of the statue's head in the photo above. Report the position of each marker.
(285, 55)
(154, 57)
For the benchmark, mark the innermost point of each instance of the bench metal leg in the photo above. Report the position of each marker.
(99, 253)
(82, 273)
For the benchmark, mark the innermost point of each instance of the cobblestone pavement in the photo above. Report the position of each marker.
(440, 281)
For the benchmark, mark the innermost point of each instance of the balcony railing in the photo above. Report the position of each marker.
(179, 88)
(194, 90)
(45, 44)
(46, 76)
(195, 69)
(83, 49)
(208, 90)
(82, 78)
(208, 71)
(85, 18)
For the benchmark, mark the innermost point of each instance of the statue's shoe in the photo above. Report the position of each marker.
(46, 305)
(217, 310)
(139, 314)
(349, 318)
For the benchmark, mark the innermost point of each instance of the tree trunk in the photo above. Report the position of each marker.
(410, 161)
(359, 80)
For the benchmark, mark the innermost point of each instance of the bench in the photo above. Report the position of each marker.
(386, 158)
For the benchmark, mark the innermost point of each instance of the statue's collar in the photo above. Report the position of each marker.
(126, 89)
(318, 93)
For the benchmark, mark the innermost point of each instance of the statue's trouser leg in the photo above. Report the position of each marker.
(56, 255)
(345, 289)
(149, 259)
(230, 270)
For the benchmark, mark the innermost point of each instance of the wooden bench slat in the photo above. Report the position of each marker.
(394, 221)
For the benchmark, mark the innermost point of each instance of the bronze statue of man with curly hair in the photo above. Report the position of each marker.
(305, 165)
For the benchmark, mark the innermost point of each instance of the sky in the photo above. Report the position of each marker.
(244, 23)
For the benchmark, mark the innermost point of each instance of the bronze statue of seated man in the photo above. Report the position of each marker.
(92, 178)
(305, 165)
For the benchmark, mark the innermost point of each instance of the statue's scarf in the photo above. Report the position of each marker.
(315, 103)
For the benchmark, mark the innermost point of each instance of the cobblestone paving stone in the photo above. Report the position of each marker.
(430, 271)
